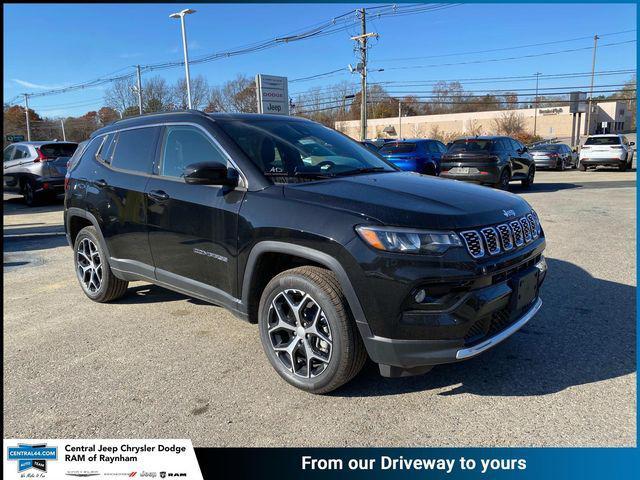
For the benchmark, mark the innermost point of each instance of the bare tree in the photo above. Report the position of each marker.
(200, 93)
(156, 95)
(120, 95)
(509, 123)
(237, 95)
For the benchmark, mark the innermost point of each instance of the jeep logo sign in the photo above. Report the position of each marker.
(273, 94)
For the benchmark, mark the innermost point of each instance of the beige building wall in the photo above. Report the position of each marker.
(550, 122)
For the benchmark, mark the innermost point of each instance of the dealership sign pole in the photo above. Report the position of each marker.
(273, 94)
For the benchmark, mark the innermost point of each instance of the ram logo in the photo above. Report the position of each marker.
(509, 213)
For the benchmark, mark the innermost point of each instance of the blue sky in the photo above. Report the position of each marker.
(49, 46)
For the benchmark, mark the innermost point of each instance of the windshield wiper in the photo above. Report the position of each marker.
(359, 171)
(313, 175)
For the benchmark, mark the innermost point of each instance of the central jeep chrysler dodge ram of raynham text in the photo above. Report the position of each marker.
(332, 250)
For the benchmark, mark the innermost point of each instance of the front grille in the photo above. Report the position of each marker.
(489, 326)
(474, 243)
(493, 240)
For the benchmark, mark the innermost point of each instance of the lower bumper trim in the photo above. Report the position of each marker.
(503, 335)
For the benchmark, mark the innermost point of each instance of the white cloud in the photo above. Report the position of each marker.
(39, 86)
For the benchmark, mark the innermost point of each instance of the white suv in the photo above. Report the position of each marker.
(609, 150)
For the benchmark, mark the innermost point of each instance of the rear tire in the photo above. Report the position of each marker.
(307, 331)
(31, 198)
(582, 167)
(560, 165)
(623, 166)
(527, 182)
(503, 181)
(92, 268)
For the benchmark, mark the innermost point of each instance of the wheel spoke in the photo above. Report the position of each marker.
(282, 324)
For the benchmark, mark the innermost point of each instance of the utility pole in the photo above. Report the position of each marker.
(593, 71)
(64, 135)
(399, 120)
(139, 89)
(535, 115)
(26, 112)
(362, 38)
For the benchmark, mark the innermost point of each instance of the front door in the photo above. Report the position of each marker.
(192, 228)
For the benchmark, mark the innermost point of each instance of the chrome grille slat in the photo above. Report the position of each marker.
(491, 240)
(518, 236)
(534, 226)
(506, 237)
(474, 243)
(526, 230)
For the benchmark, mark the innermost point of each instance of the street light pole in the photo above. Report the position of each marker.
(181, 15)
(399, 120)
(139, 89)
(64, 135)
(26, 112)
(593, 71)
(535, 115)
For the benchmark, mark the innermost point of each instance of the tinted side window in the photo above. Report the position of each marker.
(136, 149)
(432, 147)
(21, 152)
(8, 152)
(106, 151)
(92, 149)
(441, 147)
(185, 145)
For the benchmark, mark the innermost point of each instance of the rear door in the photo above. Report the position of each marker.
(116, 196)
(192, 228)
(520, 160)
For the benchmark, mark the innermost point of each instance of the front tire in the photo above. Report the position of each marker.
(92, 269)
(307, 331)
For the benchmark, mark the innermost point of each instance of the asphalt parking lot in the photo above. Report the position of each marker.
(158, 364)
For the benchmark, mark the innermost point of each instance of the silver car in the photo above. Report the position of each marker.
(554, 155)
(36, 170)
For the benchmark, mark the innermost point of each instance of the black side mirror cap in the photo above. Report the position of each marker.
(210, 173)
(631, 144)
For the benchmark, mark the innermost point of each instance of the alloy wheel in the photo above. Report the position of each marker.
(299, 333)
(89, 265)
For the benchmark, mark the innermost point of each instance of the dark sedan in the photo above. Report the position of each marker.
(554, 155)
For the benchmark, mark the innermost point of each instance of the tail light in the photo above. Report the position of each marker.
(553, 155)
(66, 182)
(42, 157)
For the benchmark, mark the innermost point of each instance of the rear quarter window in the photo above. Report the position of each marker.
(395, 148)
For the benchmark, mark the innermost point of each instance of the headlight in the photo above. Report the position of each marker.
(407, 240)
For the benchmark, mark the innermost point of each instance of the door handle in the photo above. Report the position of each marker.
(100, 183)
(159, 195)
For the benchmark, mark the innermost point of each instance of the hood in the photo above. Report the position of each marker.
(408, 199)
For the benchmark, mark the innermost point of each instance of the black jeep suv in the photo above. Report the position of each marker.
(333, 251)
(489, 160)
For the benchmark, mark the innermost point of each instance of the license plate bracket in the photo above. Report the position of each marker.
(460, 170)
(525, 289)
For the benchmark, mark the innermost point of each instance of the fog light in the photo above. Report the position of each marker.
(45, 186)
(542, 265)
(420, 296)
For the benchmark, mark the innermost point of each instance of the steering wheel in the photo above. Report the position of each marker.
(326, 163)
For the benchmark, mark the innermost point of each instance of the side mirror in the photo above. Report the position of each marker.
(631, 144)
(575, 150)
(210, 173)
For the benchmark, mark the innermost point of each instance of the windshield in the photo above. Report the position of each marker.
(396, 148)
(603, 141)
(471, 145)
(286, 150)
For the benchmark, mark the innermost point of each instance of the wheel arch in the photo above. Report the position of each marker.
(76, 219)
(312, 256)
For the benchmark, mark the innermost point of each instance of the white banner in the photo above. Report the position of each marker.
(97, 458)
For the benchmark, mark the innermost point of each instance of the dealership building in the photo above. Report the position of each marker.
(550, 122)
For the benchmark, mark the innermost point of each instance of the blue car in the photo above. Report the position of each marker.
(419, 155)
